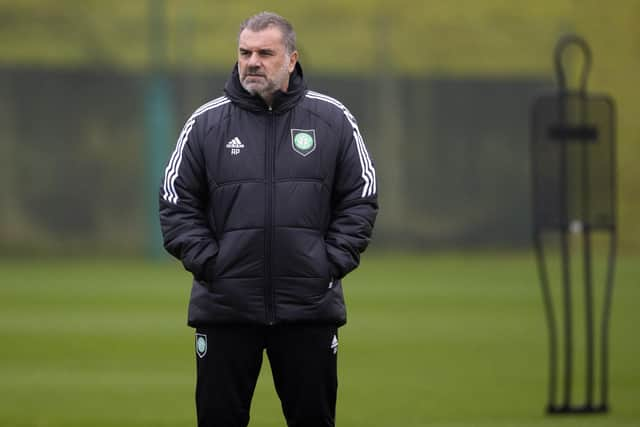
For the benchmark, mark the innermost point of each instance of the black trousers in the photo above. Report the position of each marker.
(303, 361)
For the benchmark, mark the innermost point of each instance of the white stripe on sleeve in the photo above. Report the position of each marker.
(368, 171)
(171, 172)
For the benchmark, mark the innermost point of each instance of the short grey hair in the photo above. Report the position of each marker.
(264, 20)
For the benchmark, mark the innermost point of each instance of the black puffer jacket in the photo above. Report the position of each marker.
(268, 208)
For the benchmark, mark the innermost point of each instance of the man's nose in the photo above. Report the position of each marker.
(254, 60)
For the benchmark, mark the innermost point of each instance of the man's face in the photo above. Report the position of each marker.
(263, 63)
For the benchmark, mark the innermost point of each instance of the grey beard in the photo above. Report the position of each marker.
(263, 93)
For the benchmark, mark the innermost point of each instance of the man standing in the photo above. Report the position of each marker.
(268, 200)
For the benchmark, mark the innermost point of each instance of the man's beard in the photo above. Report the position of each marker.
(265, 87)
(261, 88)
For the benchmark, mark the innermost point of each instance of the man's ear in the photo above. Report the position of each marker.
(293, 59)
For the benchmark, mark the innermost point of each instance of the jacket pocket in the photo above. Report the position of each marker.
(209, 271)
(240, 254)
(299, 252)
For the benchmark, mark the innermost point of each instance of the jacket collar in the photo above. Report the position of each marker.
(282, 101)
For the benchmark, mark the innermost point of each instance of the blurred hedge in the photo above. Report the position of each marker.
(464, 38)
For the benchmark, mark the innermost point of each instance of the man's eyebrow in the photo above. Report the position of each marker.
(262, 50)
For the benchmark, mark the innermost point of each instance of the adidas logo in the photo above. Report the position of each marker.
(334, 344)
(235, 145)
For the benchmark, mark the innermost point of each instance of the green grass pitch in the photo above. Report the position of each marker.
(432, 340)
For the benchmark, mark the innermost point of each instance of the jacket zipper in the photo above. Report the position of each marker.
(270, 166)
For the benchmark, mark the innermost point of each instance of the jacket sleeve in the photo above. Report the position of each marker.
(187, 234)
(354, 202)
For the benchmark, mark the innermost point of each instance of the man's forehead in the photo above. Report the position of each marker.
(270, 37)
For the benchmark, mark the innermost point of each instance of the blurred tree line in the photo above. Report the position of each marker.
(383, 42)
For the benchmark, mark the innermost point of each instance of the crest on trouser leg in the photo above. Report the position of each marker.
(201, 345)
